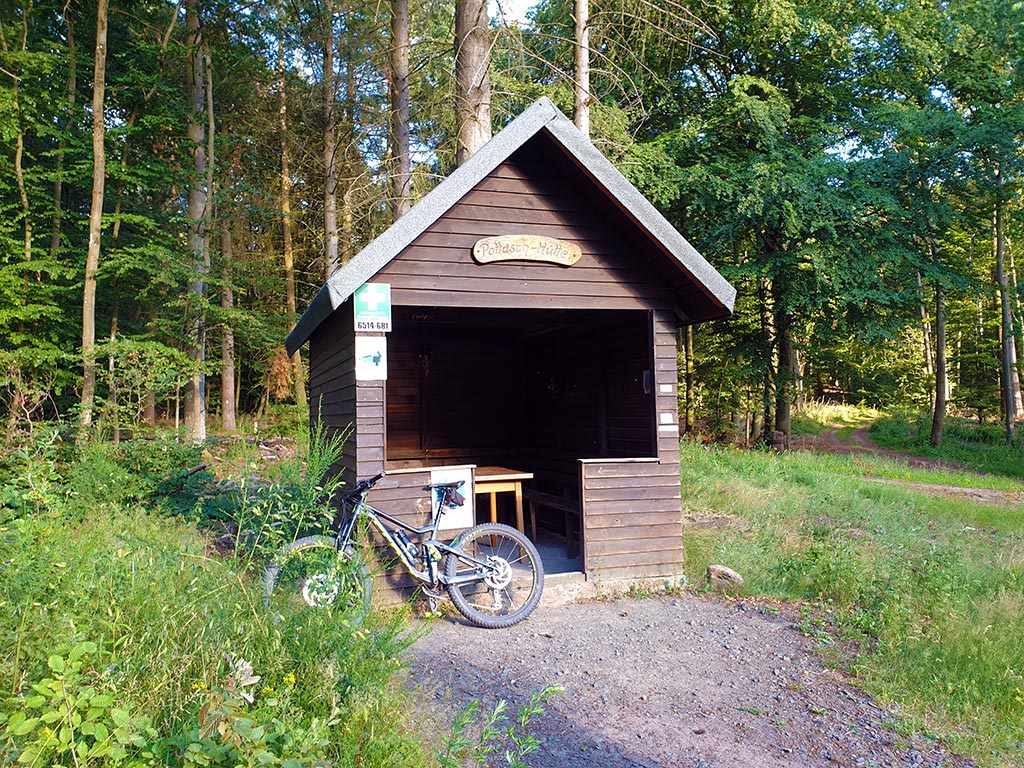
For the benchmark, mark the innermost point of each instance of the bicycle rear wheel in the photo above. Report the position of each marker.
(312, 571)
(509, 584)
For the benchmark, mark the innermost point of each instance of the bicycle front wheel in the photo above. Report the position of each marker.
(496, 577)
(313, 571)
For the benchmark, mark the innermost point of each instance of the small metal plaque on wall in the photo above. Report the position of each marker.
(526, 248)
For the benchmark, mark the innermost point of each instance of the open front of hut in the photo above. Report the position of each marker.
(517, 329)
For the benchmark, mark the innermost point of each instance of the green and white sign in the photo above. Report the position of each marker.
(373, 307)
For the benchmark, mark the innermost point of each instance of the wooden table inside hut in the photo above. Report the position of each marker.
(495, 480)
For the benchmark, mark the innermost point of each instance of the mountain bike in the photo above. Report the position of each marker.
(492, 573)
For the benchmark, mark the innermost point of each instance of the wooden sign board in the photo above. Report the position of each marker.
(526, 248)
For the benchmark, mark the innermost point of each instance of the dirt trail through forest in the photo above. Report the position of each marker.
(860, 443)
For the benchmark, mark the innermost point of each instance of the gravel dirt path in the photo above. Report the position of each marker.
(860, 443)
(667, 682)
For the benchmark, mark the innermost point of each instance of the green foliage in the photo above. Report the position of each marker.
(473, 741)
(148, 617)
(912, 578)
(74, 714)
(134, 369)
(31, 477)
(230, 735)
(296, 504)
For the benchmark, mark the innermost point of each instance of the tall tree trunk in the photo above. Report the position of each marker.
(210, 212)
(330, 147)
(148, 395)
(92, 258)
(286, 216)
(227, 336)
(1008, 353)
(786, 367)
(926, 324)
(941, 383)
(114, 406)
(581, 81)
(785, 381)
(195, 395)
(402, 188)
(472, 78)
(801, 390)
(72, 88)
(348, 235)
(1015, 310)
(770, 375)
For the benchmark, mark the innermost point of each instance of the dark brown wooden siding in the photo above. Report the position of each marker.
(632, 519)
(453, 396)
(332, 382)
(666, 379)
(437, 269)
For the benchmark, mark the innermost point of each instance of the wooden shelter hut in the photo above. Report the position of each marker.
(535, 296)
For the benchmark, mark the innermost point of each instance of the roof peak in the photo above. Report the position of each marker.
(541, 115)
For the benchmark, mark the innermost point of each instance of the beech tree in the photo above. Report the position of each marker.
(195, 399)
(399, 138)
(95, 215)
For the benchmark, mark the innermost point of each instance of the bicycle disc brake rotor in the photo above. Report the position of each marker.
(500, 575)
(321, 589)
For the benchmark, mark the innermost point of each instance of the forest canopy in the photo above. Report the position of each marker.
(178, 179)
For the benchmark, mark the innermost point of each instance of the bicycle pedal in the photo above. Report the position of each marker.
(433, 605)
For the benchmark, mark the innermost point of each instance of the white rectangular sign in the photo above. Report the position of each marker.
(371, 358)
(460, 517)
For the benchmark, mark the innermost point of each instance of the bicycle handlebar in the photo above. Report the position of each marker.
(364, 485)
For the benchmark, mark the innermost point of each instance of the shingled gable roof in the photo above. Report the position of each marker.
(541, 115)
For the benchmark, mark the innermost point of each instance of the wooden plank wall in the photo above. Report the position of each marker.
(632, 519)
(332, 382)
(627, 358)
(666, 379)
(632, 511)
(437, 269)
(453, 395)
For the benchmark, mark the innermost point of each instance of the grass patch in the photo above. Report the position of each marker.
(930, 588)
(126, 642)
(978, 447)
(159, 628)
(815, 418)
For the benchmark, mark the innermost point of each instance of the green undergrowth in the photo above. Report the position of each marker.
(129, 640)
(160, 634)
(978, 447)
(928, 590)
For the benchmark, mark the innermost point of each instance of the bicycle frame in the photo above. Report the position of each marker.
(357, 506)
